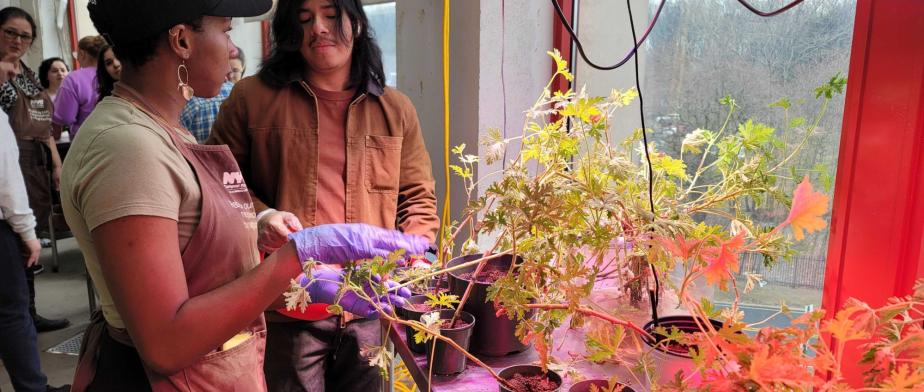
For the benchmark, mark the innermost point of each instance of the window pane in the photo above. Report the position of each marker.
(703, 50)
(382, 18)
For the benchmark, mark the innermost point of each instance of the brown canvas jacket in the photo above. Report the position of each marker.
(273, 134)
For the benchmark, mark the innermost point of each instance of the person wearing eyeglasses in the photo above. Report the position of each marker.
(29, 108)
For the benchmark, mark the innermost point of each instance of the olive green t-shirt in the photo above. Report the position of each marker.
(123, 164)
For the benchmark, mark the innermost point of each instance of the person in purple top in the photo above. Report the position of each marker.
(78, 95)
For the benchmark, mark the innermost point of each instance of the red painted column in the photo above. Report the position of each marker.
(877, 225)
(265, 34)
(561, 40)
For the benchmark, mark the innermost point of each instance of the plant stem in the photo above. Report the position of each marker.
(445, 270)
(699, 169)
(594, 313)
(471, 285)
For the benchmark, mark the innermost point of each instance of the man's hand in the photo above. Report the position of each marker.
(273, 230)
(7, 71)
(31, 252)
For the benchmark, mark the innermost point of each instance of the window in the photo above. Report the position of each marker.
(382, 18)
(701, 51)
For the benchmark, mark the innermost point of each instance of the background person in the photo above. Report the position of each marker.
(78, 94)
(238, 67)
(167, 227)
(29, 109)
(109, 73)
(19, 250)
(321, 139)
(51, 74)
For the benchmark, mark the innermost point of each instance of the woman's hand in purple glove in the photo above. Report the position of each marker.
(341, 243)
(325, 285)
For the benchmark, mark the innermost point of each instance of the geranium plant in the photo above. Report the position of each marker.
(581, 210)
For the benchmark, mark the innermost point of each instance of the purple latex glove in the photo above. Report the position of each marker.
(340, 243)
(326, 284)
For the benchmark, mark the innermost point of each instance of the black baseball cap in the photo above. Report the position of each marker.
(127, 21)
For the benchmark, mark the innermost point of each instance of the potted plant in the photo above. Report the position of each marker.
(419, 305)
(579, 211)
(446, 359)
(529, 378)
(495, 334)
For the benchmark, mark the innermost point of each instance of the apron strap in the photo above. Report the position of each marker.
(89, 351)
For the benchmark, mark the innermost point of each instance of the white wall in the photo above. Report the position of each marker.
(477, 99)
(603, 27)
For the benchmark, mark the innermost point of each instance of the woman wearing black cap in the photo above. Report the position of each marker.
(167, 226)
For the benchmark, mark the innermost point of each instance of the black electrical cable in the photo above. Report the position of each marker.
(771, 13)
(652, 295)
(580, 47)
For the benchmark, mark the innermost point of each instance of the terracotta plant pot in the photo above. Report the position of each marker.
(494, 335)
(673, 358)
(446, 359)
(411, 314)
(528, 370)
(602, 385)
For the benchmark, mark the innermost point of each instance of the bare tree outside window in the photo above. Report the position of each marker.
(704, 50)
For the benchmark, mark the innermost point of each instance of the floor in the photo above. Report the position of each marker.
(61, 294)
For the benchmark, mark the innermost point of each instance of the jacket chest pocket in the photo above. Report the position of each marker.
(383, 163)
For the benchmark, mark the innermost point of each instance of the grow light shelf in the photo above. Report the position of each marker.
(569, 344)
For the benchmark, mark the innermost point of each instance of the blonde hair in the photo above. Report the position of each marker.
(92, 44)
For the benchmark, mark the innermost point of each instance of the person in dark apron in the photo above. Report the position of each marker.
(167, 226)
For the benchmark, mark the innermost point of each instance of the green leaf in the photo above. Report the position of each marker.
(461, 172)
(561, 65)
(670, 166)
(781, 103)
(334, 309)
(727, 101)
(797, 121)
(754, 135)
(834, 86)
(458, 149)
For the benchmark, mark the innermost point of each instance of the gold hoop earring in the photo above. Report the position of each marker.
(184, 86)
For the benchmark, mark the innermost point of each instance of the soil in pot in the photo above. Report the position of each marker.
(529, 378)
(534, 383)
(447, 360)
(684, 324)
(489, 274)
(601, 386)
(671, 358)
(494, 335)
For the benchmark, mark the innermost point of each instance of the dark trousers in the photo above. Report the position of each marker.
(35, 162)
(18, 346)
(319, 356)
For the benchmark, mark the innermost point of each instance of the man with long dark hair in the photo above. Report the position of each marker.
(320, 139)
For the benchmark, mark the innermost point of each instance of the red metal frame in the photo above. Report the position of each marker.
(72, 25)
(877, 223)
(265, 32)
(561, 40)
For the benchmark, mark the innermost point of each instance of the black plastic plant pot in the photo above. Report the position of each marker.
(672, 357)
(511, 375)
(494, 335)
(602, 386)
(412, 314)
(447, 360)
